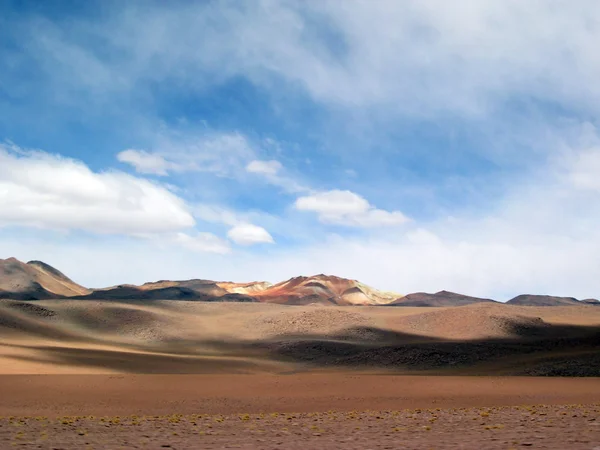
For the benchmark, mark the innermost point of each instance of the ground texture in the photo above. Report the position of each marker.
(308, 411)
(539, 426)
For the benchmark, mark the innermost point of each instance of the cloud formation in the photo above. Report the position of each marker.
(146, 163)
(428, 73)
(49, 191)
(264, 167)
(349, 209)
(248, 234)
(223, 154)
(438, 58)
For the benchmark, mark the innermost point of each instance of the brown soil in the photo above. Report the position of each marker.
(330, 410)
(87, 336)
(541, 426)
(268, 370)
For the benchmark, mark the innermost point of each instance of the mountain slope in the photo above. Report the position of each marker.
(542, 300)
(442, 298)
(35, 280)
(323, 289)
(251, 288)
(591, 301)
(196, 289)
(296, 291)
(162, 293)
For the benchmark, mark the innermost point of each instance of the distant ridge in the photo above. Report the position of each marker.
(591, 301)
(320, 289)
(542, 300)
(441, 298)
(35, 281)
(162, 293)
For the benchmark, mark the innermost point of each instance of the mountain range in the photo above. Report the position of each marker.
(36, 280)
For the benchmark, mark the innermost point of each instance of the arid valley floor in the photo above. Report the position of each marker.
(186, 375)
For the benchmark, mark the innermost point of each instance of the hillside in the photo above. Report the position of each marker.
(35, 280)
(442, 298)
(323, 289)
(197, 290)
(591, 301)
(542, 300)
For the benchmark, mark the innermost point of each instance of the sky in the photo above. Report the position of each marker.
(414, 146)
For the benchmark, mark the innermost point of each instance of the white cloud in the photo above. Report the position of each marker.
(264, 167)
(145, 162)
(248, 234)
(42, 190)
(224, 154)
(585, 170)
(348, 208)
(334, 203)
(201, 242)
(242, 231)
(271, 171)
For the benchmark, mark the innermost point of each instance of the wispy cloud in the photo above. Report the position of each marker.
(223, 154)
(429, 63)
(268, 168)
(273, 173)
(145, 162)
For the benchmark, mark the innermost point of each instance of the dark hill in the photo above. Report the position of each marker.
(542, 300)
(442, 298)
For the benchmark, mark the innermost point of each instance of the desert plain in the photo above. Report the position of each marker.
(178, 374)
(311, 362)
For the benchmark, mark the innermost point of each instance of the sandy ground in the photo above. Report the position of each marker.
(327, 410)
(186, 375)
(70, 336)
(550, 427)
(58, 395)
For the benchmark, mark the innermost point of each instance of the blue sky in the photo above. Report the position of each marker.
(411, 145)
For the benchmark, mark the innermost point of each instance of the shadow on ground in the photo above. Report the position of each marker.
(544, 350)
